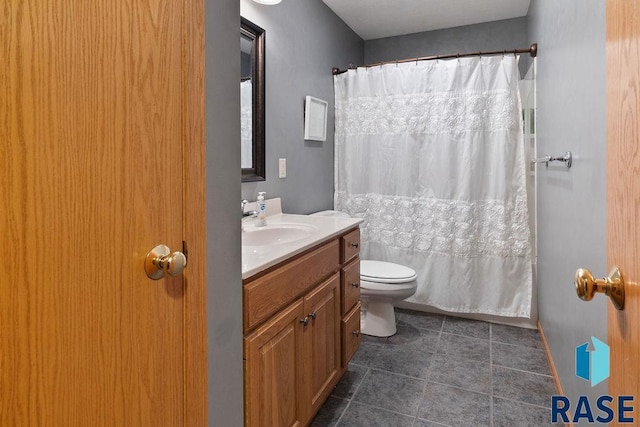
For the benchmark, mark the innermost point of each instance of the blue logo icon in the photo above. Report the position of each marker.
(592, 365)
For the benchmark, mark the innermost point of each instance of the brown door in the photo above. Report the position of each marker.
(623, 187)
(97, 111)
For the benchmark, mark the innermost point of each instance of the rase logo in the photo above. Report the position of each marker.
(592, 365)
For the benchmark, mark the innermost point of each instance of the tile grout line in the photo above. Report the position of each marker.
(353, 395)
(460, 388)
(491, 423)
(438, 349)
(381, 409)
(524, 403)
(524, 371)
(415, 419)
(428, 375)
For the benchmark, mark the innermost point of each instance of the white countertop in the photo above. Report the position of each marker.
(258, 258)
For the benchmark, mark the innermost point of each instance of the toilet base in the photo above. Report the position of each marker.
(377, 318)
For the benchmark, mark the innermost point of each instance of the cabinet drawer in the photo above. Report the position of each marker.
(350, 334)
(264, 296)
(350, 286)
(349, 245)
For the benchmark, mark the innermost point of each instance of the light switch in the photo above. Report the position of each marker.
(282, 168)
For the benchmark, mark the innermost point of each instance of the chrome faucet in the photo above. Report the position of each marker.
(243, 214)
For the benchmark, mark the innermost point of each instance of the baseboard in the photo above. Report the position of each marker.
(552, 366)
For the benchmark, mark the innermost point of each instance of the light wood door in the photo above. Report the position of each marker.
(623, 190)
(322, 342)
(100, 111)
(274, 371)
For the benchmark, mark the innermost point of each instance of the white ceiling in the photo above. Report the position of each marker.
(373, 19)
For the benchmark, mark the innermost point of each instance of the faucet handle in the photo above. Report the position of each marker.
(243, 203)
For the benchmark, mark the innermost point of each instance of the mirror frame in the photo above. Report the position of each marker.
(257, 172)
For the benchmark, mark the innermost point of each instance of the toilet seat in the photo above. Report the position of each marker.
(386, 272)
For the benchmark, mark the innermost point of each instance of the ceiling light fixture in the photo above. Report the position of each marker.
(269, 2)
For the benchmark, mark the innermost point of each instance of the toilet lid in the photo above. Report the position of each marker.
(386, 272)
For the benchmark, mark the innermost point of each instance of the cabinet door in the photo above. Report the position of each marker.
(273, 371)
(322, 341)
(351, 336)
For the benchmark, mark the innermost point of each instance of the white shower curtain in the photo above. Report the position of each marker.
(431, 155)
(246, 124)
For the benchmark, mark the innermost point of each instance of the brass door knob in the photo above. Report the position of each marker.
(612, 286)
(160, 260)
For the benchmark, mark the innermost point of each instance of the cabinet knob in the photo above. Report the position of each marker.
(356, 332)
(354, 245)
(355, 284)
(305, 321)
(312, 315)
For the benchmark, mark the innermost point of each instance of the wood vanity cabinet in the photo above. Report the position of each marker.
(298, 337)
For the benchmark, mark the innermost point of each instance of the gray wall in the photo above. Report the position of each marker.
(497, 35)
(304, 40)
(224, 287)
(571, 203)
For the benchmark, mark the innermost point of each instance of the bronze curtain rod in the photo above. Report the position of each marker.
(532, 50)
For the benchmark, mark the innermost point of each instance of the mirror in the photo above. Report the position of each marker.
(252, 101)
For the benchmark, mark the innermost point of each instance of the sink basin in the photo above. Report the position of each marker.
(276, 234)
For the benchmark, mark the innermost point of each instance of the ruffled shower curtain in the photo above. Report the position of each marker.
(431, 156)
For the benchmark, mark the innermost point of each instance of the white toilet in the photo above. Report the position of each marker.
(381, 284)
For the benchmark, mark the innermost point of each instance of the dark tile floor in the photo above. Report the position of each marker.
(442, 370)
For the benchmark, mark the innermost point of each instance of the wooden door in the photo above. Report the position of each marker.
(274, 371)
(623, 191)
(100, 135)
(322, 342)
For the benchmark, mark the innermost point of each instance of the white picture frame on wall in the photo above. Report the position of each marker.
(315, 119)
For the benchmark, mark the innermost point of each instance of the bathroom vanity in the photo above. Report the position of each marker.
(301, 314)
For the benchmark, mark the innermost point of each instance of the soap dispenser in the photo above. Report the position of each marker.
(262, 210)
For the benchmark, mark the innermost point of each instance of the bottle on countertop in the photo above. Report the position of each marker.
(262, 210)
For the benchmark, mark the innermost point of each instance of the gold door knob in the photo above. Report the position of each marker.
(160, 260)
(612, 286)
